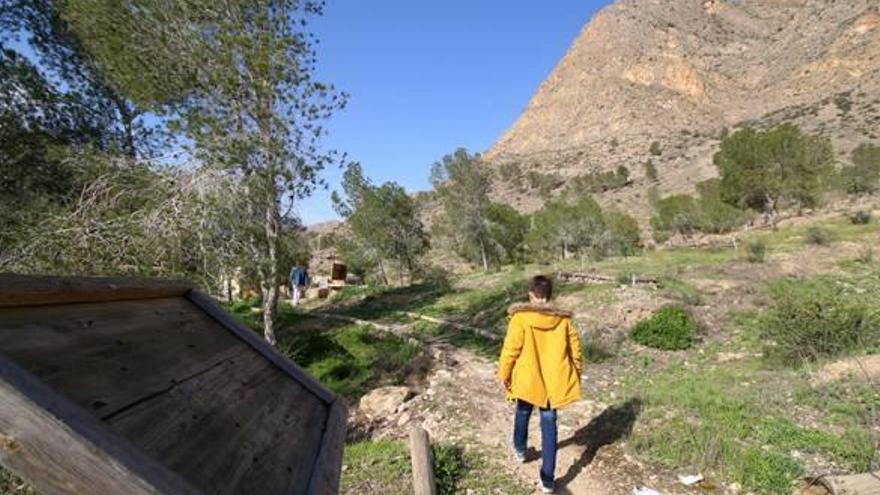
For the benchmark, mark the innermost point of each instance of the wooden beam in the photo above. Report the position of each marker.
(61, 449)
(26, 290)
(422, 462)
(328, 465)
(209, 306)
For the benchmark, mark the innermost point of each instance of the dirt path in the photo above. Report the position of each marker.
(462, 404)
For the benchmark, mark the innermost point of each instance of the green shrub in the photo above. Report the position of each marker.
(436, 277)
(756, 251)
(651, 172)
(450, 466)
(866, 255)
(597, 351)
(671, 328)
(819, 318)
(675, 214)
(860, 218)
(818, 236)
(656, 149)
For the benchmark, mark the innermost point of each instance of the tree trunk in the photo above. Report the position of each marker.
(383, 273)
(269, 284)
(483, 255)
(127, 118)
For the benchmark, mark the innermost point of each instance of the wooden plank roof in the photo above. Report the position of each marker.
(143, 386)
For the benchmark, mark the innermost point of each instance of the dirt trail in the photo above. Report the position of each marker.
(463, 404)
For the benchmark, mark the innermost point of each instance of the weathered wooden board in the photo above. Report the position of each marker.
(271, 419)
(88, 350)
(160, 374)
(26, 290)
(61, 449)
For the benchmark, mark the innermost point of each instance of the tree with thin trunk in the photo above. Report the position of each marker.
(462, 183)
(240, 76)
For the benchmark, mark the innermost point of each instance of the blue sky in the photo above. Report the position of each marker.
(428, 77)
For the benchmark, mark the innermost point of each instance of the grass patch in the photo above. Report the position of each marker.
(380, 466)
(383, 467)
(597, 351)
(670, 328)
(352, 360)
(667, 263)
(724, 421)
(679, 290)
(756, 251)
(818, 236)
(819, 318)
(459, 338)
(793, 238)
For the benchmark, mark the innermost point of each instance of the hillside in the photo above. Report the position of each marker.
(678, 72)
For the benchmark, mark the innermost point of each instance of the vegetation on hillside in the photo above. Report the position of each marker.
(769, 170)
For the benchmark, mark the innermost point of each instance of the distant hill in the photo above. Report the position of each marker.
(678, 72)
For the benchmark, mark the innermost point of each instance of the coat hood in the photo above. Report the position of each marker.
(542, 317)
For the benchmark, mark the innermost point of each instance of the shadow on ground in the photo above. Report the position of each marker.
(613, 424)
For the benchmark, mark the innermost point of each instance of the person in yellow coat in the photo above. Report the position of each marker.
(540, 366)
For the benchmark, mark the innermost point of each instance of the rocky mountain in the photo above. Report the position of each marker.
(678, 72)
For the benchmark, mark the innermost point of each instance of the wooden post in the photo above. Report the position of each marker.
(422, 462)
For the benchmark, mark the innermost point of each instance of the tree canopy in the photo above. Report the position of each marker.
(764, 170)
(384, 226)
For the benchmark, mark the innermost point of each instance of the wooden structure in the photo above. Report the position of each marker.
(422, 462)
(596, 278)
(145, 387)
(338, 274)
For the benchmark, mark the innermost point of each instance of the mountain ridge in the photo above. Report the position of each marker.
(678, 72)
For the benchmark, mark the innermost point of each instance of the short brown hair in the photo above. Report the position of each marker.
(541, 287)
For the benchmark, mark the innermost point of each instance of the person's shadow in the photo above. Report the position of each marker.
(611, 425)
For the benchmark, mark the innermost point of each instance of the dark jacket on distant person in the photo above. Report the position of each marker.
(299, 277)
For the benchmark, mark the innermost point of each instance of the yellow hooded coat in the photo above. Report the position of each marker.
(541, 357)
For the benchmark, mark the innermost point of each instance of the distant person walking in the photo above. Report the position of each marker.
(540, 366)
(299, 281)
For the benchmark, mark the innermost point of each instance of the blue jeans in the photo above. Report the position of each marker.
(548, 437)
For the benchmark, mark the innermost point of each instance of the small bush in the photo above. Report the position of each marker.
(860, 218)
(820, 318)
(450, 466)
(656, 149)
(866, 255)
(651, 172)
(436, 277)
(679, 290)
(818, 236)
(671, 328)
(756, 251)
(597, 351)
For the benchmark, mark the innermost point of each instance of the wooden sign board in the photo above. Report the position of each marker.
(120, 386)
